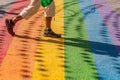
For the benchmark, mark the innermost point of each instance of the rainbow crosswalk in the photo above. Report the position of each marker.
(88, 50)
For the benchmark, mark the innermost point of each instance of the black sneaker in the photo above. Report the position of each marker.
(50, 33)
(9, 24)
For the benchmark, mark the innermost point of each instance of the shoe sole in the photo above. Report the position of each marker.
(52, 36)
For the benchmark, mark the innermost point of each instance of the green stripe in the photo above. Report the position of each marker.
(79, 63)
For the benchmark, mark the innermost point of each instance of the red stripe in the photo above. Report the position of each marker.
(5, 38)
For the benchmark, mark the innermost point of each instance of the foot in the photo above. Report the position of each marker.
(50, 33)
(9, 24)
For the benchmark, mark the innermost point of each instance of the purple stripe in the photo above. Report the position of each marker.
(111, 20)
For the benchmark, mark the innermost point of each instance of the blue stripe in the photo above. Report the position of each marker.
(105, 54)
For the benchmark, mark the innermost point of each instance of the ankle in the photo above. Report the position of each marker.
(17, 18)
(12, 20)
(48, 29)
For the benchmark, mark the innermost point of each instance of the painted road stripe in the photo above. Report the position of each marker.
(105, 53)
(111, 20)
(79, 64)
(5, 38)
(5, 6)
(49, 63)
(115, 5)
(19, 61)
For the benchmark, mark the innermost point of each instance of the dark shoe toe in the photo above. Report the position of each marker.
(9, 25)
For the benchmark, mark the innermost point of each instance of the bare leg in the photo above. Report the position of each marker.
(17, 18)
(48, 22)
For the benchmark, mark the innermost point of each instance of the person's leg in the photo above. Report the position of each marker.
(25, 13)
(49, 13)
(48, 22)
(17, 18)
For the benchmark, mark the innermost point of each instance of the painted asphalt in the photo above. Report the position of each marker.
(88, 50)
(4, 6)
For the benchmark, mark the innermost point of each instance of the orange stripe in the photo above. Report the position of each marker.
(5, 38)
(19, 61)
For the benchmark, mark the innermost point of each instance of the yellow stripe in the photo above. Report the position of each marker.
(49, 63)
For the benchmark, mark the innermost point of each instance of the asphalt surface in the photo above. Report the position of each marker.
(115, 4)
(5, 5)
(88, 50)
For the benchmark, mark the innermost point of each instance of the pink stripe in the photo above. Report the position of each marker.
(5, 38)
(111, 20)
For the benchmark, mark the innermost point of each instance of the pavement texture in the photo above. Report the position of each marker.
(89, 48)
